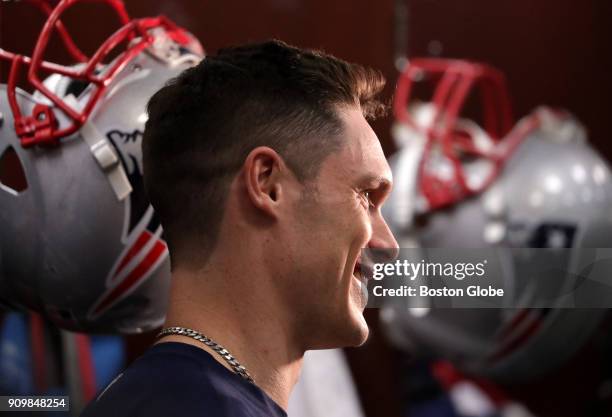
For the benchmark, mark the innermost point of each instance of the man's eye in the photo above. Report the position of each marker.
(367, 198)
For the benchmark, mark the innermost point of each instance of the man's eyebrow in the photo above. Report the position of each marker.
(377, 181)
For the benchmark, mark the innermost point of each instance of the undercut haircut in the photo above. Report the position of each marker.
(203, 124)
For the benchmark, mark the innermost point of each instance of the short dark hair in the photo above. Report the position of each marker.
(204, 123)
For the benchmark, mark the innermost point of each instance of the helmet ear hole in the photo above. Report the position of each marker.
(12, 174)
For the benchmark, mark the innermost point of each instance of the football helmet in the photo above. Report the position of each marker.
(80, 242)
(462, 184)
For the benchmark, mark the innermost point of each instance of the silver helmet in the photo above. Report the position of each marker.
(80, 242)
(463, 184)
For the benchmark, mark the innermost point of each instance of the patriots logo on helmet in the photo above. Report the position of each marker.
(144, 249)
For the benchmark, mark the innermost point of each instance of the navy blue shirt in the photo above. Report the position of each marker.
(176, 379)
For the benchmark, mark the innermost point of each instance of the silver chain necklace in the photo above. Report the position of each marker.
(220, 350)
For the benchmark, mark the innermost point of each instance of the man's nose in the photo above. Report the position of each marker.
(384, 242)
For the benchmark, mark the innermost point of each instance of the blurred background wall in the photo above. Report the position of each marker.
(555, 52)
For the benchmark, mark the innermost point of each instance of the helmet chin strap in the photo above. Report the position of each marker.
(107, 159)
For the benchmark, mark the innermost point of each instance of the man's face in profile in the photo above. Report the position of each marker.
(339, 215)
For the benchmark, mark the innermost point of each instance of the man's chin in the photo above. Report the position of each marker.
(357, 325)
(359, 329)
(352, 331)
(361, 338)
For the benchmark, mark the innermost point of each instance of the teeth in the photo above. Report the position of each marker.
(363, 287)
(364, 290)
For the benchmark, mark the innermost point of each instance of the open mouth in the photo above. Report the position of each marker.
(362, 271)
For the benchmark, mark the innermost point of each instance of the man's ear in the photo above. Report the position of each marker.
(263, 171)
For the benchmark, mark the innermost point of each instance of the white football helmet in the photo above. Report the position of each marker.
(80, 242)
(463, 184)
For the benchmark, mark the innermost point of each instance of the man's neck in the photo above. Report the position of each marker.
(246, 325)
